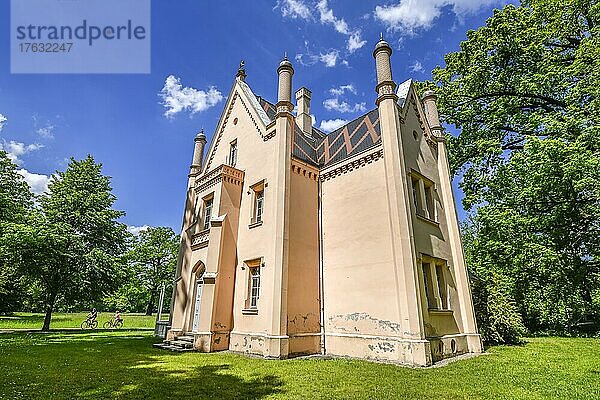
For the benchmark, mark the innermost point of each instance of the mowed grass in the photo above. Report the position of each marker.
(71, 320)
(123, 365)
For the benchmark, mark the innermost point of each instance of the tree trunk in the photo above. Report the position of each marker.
(47, 318)
(150, 307)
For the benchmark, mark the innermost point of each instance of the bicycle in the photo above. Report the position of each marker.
(111, 323)
(89, 324)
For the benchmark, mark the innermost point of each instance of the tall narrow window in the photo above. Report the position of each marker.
(431, 303)
(254, 286)
(258, 203)
(415, 194)
(441, 278)
(258, 207)
(233, 153)
(207, 213)
(429, 203)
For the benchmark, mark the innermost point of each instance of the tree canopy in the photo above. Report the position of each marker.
(70, 247)
(523, 93)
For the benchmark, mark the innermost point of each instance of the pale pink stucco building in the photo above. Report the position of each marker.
(299, 242)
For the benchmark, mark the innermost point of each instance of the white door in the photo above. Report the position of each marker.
(199, 285)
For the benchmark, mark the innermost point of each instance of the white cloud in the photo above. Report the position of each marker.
(409, 16)
(417, 66)
(294, 9)
(332, 124)
(340, 90)
(329, 59)
(327, 17)
(2, 121)
(136, 230)
(177, 98)
(343, 107)
(37, 182)
(47, 132)
(14, 150)
(355, 42)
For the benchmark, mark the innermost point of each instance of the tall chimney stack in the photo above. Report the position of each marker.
(199, 143)
(303, 119)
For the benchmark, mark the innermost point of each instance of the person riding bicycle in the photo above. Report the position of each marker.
(118, 317)
(93, 315)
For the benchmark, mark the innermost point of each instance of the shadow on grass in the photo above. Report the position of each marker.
(66, 366)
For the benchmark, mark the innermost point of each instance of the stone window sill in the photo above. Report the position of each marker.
(440, 311)
(428, 220)
(250, 311)
(255, 224)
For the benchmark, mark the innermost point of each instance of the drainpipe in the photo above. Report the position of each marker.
(321, 268)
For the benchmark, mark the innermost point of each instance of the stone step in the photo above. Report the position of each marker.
(169, 347)
(181, 343)
(185, 338)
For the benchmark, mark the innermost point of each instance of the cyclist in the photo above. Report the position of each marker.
(92, 316)
(118, 317)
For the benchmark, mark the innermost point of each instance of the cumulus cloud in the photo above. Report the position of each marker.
(343, 107)
(327, 17)
(47, 132)
(37, 182)
(337, 104)
(14, 150)
(136, 230)
(409, 16)
(2, 121)
(332, 124)
(176, 98)
(417, 67)
(294, 9)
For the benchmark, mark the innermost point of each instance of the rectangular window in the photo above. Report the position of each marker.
(423, 193)
(434, 280)
(254, 286)
(258, 203)
(233, 153)
(441, 280)
(431, 303)
(258, 206)
(207, 213)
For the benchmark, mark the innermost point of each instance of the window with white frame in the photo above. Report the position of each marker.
(208, 204)
(435, 283)
(258, 202)
(253, 267)
(233, 150)
(423, 193)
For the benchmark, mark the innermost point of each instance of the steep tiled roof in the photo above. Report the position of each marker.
(267, 107)
(324, 149)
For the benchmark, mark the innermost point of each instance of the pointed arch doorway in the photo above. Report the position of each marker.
(198, 272)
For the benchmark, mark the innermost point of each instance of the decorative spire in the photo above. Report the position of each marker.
(241, 71)
(381, 36)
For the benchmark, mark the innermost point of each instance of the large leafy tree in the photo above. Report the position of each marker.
(72, 245)
(15, 204)
(523, 92)
(153, 258)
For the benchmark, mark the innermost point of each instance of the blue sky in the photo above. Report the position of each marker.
(141, 126)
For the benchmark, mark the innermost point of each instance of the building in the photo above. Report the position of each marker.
(299, 242)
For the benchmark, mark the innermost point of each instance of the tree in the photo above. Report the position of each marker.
(523, 92)
(15, 203)
(71, 246)
(153, 258)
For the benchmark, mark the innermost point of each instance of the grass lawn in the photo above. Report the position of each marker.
(71, 320)
(123, 365)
